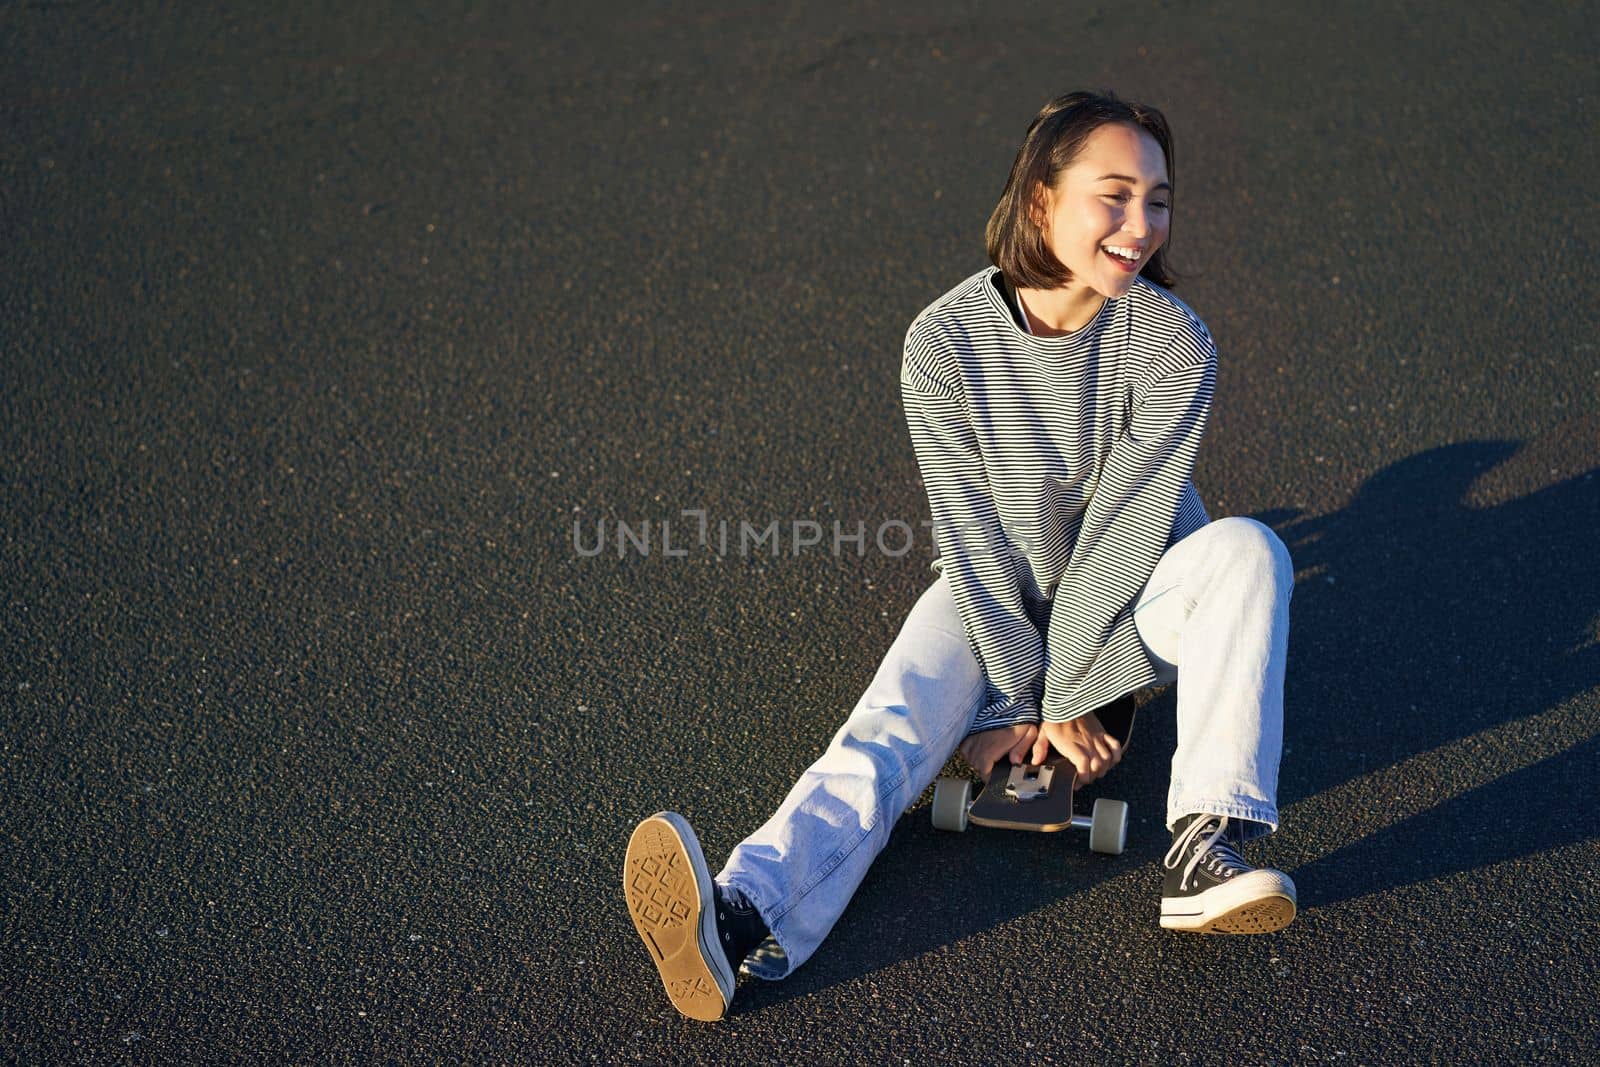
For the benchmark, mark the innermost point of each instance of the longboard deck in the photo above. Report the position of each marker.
(1117, 718)
(1050, 812)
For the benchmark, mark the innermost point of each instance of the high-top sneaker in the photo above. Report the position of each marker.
(1210, 889)
(697, 933)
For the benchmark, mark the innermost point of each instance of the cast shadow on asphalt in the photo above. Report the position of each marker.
(1444, 620)
(1440, 620)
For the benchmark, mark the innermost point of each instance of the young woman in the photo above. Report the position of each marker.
(1056, 402)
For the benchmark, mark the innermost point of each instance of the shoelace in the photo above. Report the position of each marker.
(1222, 859)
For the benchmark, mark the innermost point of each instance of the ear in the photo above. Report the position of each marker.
(1039, 205)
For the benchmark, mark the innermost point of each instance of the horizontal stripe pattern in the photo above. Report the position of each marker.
(1058, 470)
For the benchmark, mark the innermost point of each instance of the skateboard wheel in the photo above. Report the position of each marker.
(1108, 826)
(951, 799)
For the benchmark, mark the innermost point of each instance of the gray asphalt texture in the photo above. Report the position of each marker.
(321, 330)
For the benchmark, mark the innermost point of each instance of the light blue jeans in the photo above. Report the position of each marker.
(1215, 611)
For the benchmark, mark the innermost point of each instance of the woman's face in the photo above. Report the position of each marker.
(1110, 210)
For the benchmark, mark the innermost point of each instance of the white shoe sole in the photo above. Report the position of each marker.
(668, 888)
(1260, 902)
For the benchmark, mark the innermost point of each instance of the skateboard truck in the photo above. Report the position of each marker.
(1029, 781)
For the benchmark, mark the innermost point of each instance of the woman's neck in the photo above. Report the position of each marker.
(1053, 312)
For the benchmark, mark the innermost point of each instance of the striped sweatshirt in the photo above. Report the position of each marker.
(1058, 471)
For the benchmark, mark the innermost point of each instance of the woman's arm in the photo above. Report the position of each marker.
(977, 557)
(1127, 524)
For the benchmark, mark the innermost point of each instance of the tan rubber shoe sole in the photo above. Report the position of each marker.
(1260, 917)
(1261, 902)
(668, 889)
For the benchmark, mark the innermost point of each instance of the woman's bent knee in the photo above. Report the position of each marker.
(1252, 543)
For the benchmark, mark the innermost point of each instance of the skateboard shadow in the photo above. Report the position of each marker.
(1419, 620)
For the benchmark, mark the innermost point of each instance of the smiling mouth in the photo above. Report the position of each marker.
(1127, 264)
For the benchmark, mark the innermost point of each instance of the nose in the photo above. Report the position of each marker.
(1136, 220)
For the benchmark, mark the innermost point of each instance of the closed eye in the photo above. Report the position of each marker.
(1122, 198)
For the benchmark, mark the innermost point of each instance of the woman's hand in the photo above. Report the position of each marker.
(1084, 742)
(984, 750)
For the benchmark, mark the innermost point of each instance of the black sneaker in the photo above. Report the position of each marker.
(1210, 889)
(696, 933)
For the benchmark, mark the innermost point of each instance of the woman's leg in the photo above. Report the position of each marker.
(1215, 613)
(801, 868)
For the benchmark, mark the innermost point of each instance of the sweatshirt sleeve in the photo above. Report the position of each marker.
(977, 558)
(1126, 526)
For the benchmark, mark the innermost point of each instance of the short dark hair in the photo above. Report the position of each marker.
(1054, 139)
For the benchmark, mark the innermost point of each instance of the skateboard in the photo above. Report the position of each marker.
(1029, 797)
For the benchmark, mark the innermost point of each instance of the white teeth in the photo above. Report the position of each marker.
(1125, 253)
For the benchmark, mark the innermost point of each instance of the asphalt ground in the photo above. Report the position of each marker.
(321, 329)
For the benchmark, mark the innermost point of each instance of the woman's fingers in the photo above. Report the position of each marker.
(1094, 757)
(1027, 747)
